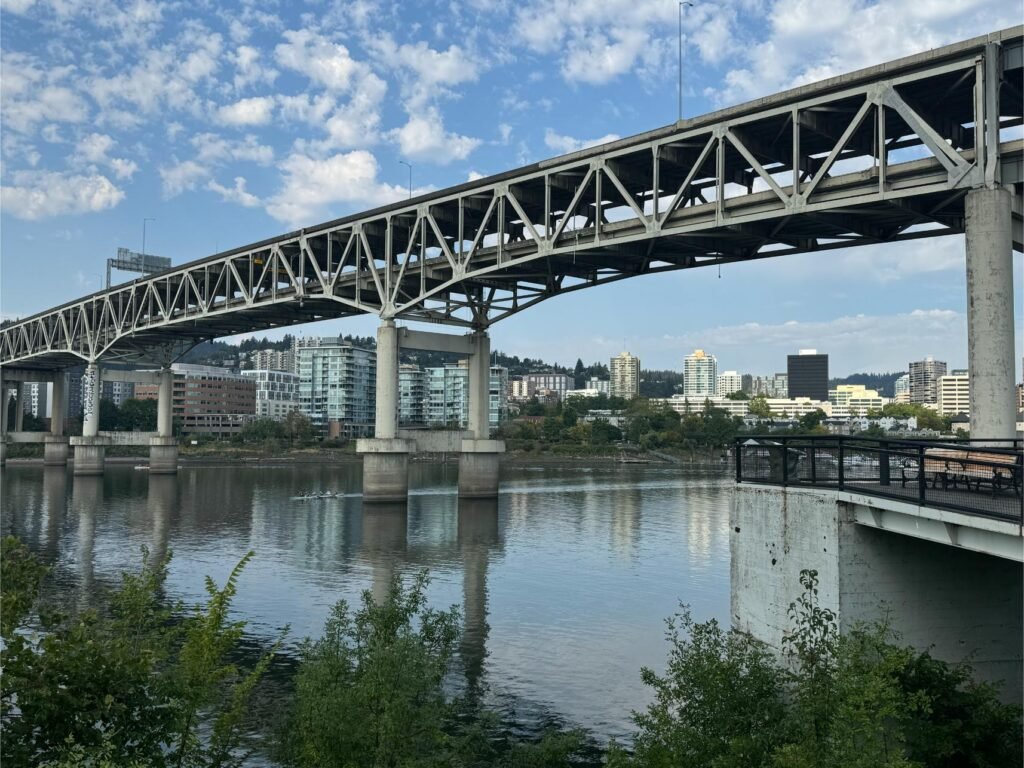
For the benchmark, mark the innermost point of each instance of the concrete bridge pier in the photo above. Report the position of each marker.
(480, 456)
(4, 405)
(90, 448)
(163, 449)
(55, 444)
(990, 355)
(386, 456)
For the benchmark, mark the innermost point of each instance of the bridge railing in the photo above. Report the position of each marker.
(977, 477)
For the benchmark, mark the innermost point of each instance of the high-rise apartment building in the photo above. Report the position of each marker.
(337, 385)
(277, 393)
(624, 376)
(700, 374)
(729, 382)
(117, 391)
(498, 393)
(901, 389)
(272, 360)
(446, 391)
(807, 375)
(601, 386)
(924, 380)
(954, 393)
(412, 392)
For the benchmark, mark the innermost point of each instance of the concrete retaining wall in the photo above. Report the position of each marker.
(962, 605)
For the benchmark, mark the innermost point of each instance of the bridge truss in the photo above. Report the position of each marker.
(880, 155)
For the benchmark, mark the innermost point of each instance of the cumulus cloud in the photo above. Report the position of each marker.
(248, 68)
(236, 194)
(433, 71)
(93, 150)
(314, 190)
(424, 138)
(41, 194)
(324, 62)
(182, 176)
(214, 149)
(34, 94)
(253, 111)
(566, 144)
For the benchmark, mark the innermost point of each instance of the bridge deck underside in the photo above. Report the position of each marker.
(854, 161)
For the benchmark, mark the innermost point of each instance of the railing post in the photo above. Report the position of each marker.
(814, 461)
(842, 471)
(785, 462)
(739, 461)
(883, 463)
(920, 473)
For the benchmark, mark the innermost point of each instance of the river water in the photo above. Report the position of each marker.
(564, 582)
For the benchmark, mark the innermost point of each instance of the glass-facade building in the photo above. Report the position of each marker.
(337, 386)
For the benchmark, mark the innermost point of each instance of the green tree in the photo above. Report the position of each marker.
(298, 427)
(369, 692)
(810, 422)
(138, 415)
(759, 406)
(259, 430)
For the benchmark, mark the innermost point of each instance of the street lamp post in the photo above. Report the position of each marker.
(682, 4)
(409, 166)
(148, 218)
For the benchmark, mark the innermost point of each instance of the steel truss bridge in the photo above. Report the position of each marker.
(879, 155)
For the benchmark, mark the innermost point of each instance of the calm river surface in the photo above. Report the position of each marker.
(563, 583)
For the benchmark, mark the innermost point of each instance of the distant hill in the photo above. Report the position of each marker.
(884, 383)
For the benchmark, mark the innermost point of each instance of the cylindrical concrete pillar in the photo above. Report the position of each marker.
(5, 396)
(386, 419)
(19, 411)
(480, 386)
(92, 386)
(990, 314)
(57, 404)
(165, 397)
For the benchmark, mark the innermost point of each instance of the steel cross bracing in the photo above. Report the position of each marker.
(881, 155)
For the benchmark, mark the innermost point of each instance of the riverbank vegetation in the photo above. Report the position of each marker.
(139, 680)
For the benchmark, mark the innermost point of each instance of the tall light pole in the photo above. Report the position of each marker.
(682, 4)
(148, 218)
(409, 166)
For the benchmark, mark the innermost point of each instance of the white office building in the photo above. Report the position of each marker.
(902, 389)
(954, 394)
(700, 375)
(277, 393)
(337, 386)
(272, 360)
(601, 386)
(850, 400)
(729, 382)
(555, 383)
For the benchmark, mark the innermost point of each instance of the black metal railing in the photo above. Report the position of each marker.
(979, 477)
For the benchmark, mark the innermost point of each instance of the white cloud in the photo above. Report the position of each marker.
(253, 111)
(182, 176)
(566, 144)
(313, 189)
(92, 150)
(434, 72)
(323, 62)
(213, 149)
(424, 138)
(248, 69)
(474, 176)
(32, 94)
(40, 194)
(236, 194)
(17, 6)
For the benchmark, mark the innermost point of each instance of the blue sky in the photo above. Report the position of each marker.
(232, 122)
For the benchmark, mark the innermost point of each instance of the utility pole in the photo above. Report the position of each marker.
(148, 218)
(409, 166)
(688, 4)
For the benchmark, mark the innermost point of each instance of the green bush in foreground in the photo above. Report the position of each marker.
(135, 684)
(122, 685)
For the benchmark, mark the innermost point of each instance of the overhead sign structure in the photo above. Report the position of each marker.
(132, 261)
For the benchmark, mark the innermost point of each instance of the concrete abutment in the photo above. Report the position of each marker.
(960, 604)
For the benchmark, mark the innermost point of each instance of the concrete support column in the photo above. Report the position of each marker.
(163, 449)
(90, 448)
(92, 387)
(480, 386)
(990, 314)
(57, 404)
(5, 396)
(19, 411)
(385, 456)
(164, 410)
(386, 421)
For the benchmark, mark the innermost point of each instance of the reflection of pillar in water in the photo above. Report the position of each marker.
(86, 498)
(161, 502)
(384, 542)
(625, 524)
(478, 534)
(55, 501)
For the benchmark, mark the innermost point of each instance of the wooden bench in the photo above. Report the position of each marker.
(970, 468)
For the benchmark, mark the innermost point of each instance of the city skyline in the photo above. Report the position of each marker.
(211, 134)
